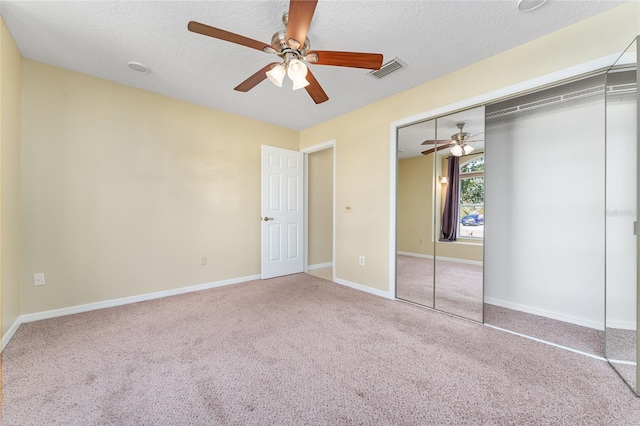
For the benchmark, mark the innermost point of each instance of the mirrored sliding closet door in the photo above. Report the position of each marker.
(621, 217)
(460, 214)
(415, 219)
(440, 213)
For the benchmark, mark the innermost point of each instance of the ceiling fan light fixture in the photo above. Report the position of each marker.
(468, 149)
(297, 70)
(276, 75)
(456, 151)
(300, 83)
(291, 45)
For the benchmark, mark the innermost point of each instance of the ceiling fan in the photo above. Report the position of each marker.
(293, 46)
(459, 142)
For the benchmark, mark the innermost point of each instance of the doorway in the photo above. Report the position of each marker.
(319, 161)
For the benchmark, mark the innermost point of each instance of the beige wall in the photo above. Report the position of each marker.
(415, 205)
(123, 191)
(362, 136)
(320, 196)
(10, 123)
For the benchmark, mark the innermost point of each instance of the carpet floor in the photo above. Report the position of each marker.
(562, 333)
(414, 280)
(621, 346)
(459, 291)
(296, 350)
(458, 287)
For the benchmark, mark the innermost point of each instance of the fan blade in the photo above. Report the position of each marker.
(315, 90)
(254, 80)
(438, 142)
(429, 151)
(197, 27)
(300, 14)
(370, 61)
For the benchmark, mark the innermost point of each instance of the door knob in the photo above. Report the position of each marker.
(266, 219)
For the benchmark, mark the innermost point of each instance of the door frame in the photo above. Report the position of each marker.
(306, 152)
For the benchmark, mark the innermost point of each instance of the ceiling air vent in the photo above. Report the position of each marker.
(393, 65)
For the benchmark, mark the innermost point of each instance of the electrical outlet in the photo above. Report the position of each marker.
(203, 260)
(38, 279)
(361, 260)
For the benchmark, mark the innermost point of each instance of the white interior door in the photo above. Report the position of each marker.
(282, 212)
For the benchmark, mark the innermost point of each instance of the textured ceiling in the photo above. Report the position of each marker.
(99, 38)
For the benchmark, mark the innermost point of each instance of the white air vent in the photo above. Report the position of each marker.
(393, 65)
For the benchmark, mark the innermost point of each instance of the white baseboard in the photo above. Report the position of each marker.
(156, 295)
(320, 266)
(420, 255)
(364, 288)
(9, 334)
(448, 259)
(454, 259)
(544, 313)
(621, 325)
(131, 299)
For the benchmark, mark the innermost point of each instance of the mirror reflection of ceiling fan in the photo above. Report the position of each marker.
(293, 46)
(459, 143)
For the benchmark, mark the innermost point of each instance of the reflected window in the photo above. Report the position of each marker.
(471, 203)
